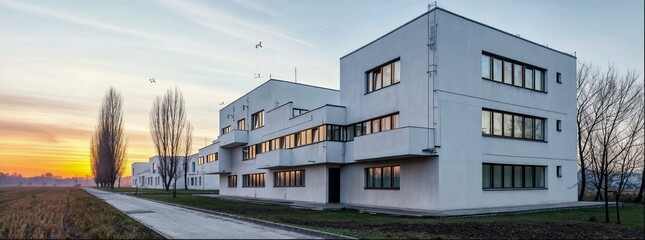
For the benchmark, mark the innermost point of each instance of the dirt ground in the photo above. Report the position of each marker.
(489, 230)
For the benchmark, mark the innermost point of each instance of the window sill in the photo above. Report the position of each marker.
(253, 187)
(513, 138)
(373, 188)
(511, 189)
(257, 128)
(382, 88)
(287, 186)
(513, 85)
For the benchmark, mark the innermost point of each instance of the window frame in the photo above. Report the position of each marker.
(558, 77)
(370, 77)
(514, 63)
(523, 176)
(512, 128)
(254, 180)
(226, 129)
(257, 117)
(369, 174)
(289, 179)
(558, 171)
(233, 183)
(558, 125)
(241, 122)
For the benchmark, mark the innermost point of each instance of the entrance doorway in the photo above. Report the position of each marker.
(334, 185)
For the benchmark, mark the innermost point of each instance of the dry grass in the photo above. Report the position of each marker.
(57, 213)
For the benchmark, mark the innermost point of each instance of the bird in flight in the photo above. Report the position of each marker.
(152, 80)
(259, 45)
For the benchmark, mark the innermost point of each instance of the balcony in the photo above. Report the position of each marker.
(234, 138)
(397, 143)
(317, 153)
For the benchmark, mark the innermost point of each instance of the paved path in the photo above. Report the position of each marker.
(175, 222)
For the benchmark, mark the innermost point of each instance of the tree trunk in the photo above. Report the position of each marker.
(583, 181)
(639, 198)
(606, 201)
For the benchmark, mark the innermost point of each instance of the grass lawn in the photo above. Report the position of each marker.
(157, 191)
(577, 223)
(57, 213)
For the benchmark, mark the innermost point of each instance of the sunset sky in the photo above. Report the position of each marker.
(58, 58)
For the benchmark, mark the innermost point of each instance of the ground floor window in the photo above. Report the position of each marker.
(383, 177)
(253, 180)
(289, 178)
(497, 176)
(232, 181)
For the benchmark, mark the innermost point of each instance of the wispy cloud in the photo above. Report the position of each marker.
(76, 19)
(258, 7)
(217, 20)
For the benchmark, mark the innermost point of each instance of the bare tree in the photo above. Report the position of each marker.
(108, 145)
(167, 125)
(613, 142)
(188, 142)
(588, 117)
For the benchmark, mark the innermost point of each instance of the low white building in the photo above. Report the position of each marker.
(441, 113)
(146, 175)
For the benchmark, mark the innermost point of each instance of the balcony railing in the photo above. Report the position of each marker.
(317, 153)
(234, 138)
(395, 143)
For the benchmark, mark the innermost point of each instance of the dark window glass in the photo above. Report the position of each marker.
(497, 176)
(517, 126)
(486, 67)
(486, 122)
(508, 125)
(517, 75)
(486, 170)
(513, 176)
(497, 123)
(383, 177)
(528, 128)
(508, 72)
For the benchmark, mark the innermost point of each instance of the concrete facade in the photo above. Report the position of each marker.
(430, 148)
(144, 175)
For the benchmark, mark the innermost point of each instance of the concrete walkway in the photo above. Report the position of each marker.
(176, 222)
(416, 212)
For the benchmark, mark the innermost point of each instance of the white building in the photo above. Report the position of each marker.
(146, 175)
(440, 113)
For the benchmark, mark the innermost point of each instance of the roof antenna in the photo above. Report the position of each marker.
(295, 74)
(432, 5)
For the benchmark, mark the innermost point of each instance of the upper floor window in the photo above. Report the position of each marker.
(226, 130)
(379, 124)
(299, 111)
(241, 124)
(200, 160)
(211, 157)
(504, 124)
(154, 167)
(192, 165)
(384, 76)
(257, 120)
(558, 77)
(512, 72)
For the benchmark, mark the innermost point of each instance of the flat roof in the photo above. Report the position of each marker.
(465, 18)
(280, 81)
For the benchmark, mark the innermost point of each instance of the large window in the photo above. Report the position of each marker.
(249, 152)
(200, 160)
(384, 76)
(232, 181)
(253, 180)
(327, 132)
(512, 125)
(512, 176)
(226, 130)
(512, 72)
(241, 124)
(154, 167)
(257, 120)
(211, 157)
(289, 178)
(383, 177)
